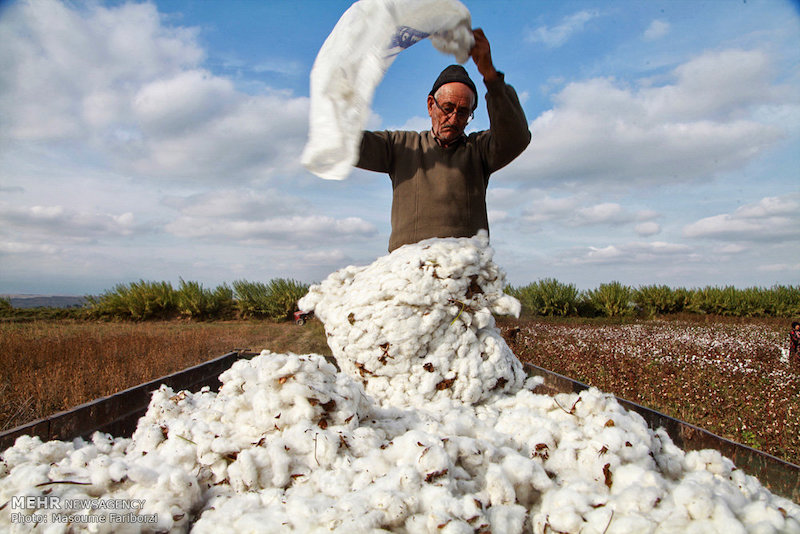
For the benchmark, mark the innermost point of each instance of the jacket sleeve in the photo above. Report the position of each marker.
(508, 128)
(376, 152)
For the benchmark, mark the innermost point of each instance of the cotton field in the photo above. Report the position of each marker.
(429, 424)
(733, 348)
(728, 376)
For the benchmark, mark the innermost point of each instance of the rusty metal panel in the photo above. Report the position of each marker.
(780, 477)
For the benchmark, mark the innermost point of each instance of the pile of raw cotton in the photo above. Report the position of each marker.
(417, 325)
(429, 426)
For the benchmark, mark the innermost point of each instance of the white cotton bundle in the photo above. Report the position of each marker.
(417, 324)
(288, 443)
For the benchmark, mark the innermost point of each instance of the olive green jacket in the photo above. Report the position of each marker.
(441, 192)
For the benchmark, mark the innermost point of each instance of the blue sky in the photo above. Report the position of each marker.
(162, 140)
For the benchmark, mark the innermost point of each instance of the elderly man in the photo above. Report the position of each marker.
(439, 177)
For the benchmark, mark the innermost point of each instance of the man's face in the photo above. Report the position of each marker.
(454, 96)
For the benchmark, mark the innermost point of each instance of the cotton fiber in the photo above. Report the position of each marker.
(427, 425)
(417, 325)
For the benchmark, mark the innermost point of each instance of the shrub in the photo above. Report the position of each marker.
(655, 299)
(777, 301)
(197, 302)
(137, 300)
(276, 300)
(556, 298)
(784, 301)
(727, 301)
(222, 301)
(611, 300)
(547, 297)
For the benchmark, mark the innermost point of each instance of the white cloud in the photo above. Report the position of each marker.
(647, 229)
(771, 207)
(646, 215)
(64, 66)
(15, 247)
(258, 137)
(244, 215)
(497, 216)
(780, 267)
(731, 248)
(43, 222)
(576, 210)
(549, 208)
(722, 85)
(556, 36)
(610, 252)
(11, 189)
(182, 102)
(415, 124)
(634, 252)
(121, 82)
(322, 257)
(316, 228)
(605, 213)
(656, 30)
(237, 203)
(770, 219)
(703, 123)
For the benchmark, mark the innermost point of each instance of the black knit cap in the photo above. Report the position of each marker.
(455, 73)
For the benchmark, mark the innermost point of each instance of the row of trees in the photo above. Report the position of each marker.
(549, 297)
(277, 300)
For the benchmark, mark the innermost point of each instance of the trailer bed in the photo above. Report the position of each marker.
(118, 415)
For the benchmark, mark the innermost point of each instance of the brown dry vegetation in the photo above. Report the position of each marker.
(50, 366)
(721, 374)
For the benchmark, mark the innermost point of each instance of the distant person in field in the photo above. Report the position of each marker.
(439, 177)
(794, 345)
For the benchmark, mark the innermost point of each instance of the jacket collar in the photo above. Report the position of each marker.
(460, 139)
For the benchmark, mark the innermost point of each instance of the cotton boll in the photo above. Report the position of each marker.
(103, 442)
(561, 511)
(117, 470)
(527, 478)
(761, 518)
(762, 528)
(146, 437)
(244, 472)
(708, 460)
(142, 475)
(499, 488)
(632, 524)
(724, 520)
(695, 498)
(792, 525)
(82, 456)
(98, 470)
(392, 505)
(668, 457)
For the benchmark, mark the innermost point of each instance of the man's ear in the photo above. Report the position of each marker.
(430, 106)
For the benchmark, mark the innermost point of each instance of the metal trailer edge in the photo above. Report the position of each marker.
(118, 414)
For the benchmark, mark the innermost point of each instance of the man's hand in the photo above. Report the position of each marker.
(482, 55)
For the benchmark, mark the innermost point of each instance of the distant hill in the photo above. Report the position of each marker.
(45, 301)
